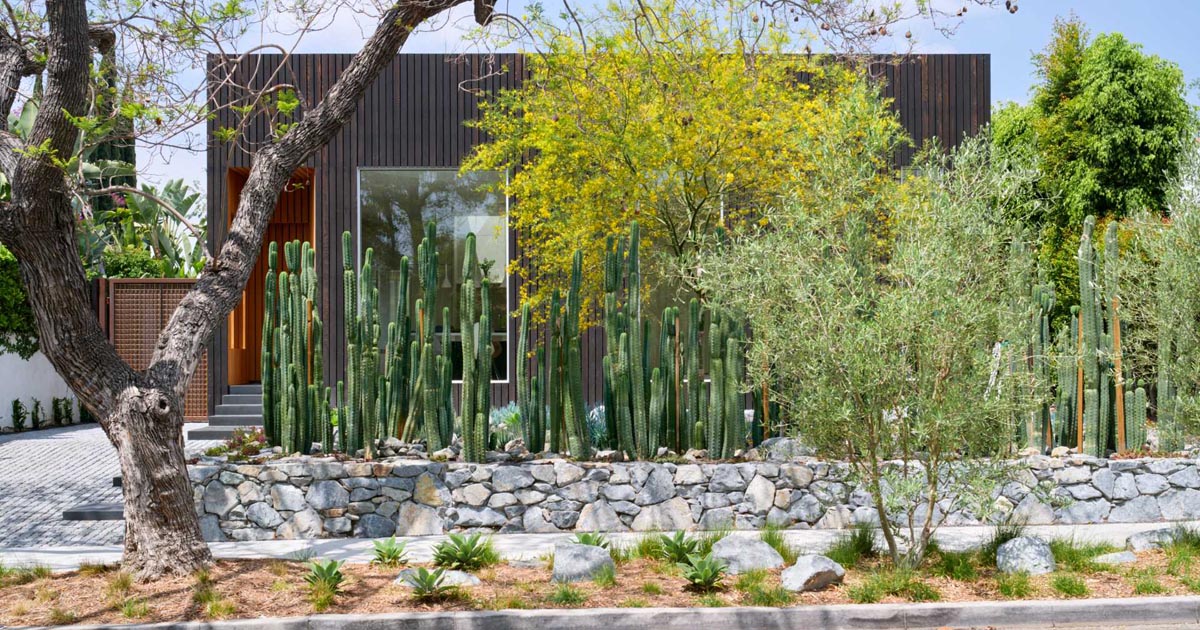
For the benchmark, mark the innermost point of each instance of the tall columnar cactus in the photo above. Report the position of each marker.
(266, 361)
(573, 405)
(468, 320)
(529, 395)
(1135, 425)
(695, 385)
(1092, 328)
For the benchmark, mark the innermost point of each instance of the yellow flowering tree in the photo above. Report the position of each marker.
(669, 114)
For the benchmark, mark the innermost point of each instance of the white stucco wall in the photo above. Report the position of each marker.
(31, 380)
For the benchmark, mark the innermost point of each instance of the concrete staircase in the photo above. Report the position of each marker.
(240, 408)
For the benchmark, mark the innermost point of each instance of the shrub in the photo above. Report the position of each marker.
(852, 548)
(18, 415)
(35, 414)
(703, 573)
(594, 539)
(1069, 585)
(389, 553)
(466, 553)
(567, 595)
(1013, 585)
(60, 411)
(18, 330)
(678, 548)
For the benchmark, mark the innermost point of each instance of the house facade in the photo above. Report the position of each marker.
(394, 166)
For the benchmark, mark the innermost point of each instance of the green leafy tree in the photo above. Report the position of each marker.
(17, 331)
(1108, 123)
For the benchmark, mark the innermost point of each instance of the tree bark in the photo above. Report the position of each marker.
(142, 412)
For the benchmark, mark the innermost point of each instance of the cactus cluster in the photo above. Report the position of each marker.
(402, 387)
(1098, 409)
(648, 404)
(296, 411)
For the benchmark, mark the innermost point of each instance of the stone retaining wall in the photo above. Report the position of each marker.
(314, 498)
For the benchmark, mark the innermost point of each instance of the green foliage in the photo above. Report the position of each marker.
(132, 263)
(61, 411)
(595, 539)
(18, 415)
(428, 585)
(1077, 556)
(853, 547)
(1108, 124)
(774, 537)
(703, 573)
(134, 608)
(567, 595)
(18, 332)
(606, 577)
(1069, 585)
(956, 566)
(133, 236)
(35, 415)
(465, 552)
(328, 573)
(389, 553)
(774, 596)
(1146, 582)
(652, 588)
(678, 548)
(893, 583)
(1014, 585)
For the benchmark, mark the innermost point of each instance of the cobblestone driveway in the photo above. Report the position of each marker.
(44, 472)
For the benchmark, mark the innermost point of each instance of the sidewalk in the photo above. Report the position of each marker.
(531, 546)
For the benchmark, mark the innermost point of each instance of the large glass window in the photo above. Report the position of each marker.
(395, 204)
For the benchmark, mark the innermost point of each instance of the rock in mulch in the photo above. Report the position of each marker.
(1025, 554)
(745, 554)
(1120, 557)
(812, 573)
(1153, 539)
(450, 577)
(576, 563)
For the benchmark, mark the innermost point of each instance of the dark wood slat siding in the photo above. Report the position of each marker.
(415, 115)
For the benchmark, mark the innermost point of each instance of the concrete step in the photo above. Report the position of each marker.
(246, 389)
(211, 433)
(239, 420)
(95, 512)
(241, 399)
(238, 410)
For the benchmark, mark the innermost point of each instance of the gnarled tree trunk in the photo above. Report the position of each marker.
(142, 412)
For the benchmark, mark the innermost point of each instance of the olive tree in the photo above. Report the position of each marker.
(887, 354)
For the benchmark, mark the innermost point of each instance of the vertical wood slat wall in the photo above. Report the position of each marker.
(415, 115)
(133, 315)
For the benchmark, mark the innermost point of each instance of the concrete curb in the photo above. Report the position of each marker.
(1135, 612)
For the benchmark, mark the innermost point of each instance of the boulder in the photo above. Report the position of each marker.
(1025, 554)
(374, 526)
(509, 478)
(671, 515)
(812, 573)
(450, 577)
(417, 520)
(745, 554)
(575, 563)
(599, 517)
(1152, 539)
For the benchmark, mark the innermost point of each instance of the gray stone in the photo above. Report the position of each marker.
(689, 474)
(529, 497)
(618, 493)
(303, 524)
(599, 517)
(566, 474)
(327, 495)
(670, 515)
(1186, 478)
(249, 492)
(416, 520)
(575, 563)
(475, 494)
(363, 494)
(1072, 474)
(450, 577)
(564, 519)
(479, 517)
(1153, 539)
(798, 475)
(358, 508)
(1120, 557)
(726, 478)
(338, 525)
(1124, 488)
(509, 478)
(812, 573)
(659, 486)
(263, 515)
(1163, 466)
(1085, 512)
(1179, 505)
(745, 554)
(582, 491)
(760, 495)
(1084, 492)
(625, 507)
(1151, 483)
(374, 526)
(1025, 554)
(1104, 480)
(502, 500)
(1137, 510)
(429, 491)
(210, 528)
(543, 473)
(456, 478)
(219, 499)
(534, 521)
(287, 497)
(836, 517)
(806, 509)
(783, 449)
(1031, 511)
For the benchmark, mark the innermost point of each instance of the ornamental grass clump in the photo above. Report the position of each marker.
(881, 340)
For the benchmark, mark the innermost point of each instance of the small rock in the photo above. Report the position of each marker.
(416, 520)
(374, 526)
(574, 563)
(1153, 539)
(1120, 557)
(745, 554)
(510, 478)
(450, 577)
(674, 514)
(1025, 554)
(812, 573)
(1060, 451)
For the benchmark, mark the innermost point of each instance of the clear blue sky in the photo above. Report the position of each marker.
(1167, 28)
